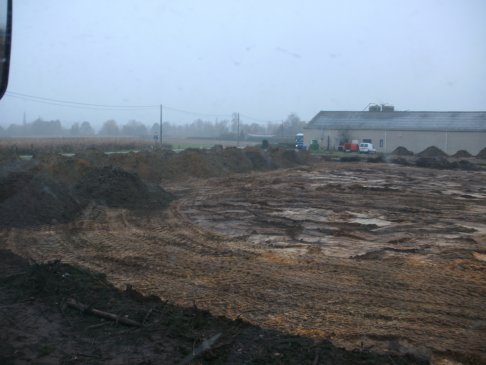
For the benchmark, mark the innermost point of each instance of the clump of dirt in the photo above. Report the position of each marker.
(482, 154)
(30, 199)
(115, 187)
(462, 154)
(402, 151)
(432, 151)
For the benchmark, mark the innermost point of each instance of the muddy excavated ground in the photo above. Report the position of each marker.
(382, 257)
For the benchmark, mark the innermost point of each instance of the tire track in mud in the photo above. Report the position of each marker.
(376, 301)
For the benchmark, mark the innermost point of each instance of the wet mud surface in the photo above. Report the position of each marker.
(376, 256)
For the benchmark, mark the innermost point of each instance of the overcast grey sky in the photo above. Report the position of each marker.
(264, 59)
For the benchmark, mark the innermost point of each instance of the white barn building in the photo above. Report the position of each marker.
(449, 131)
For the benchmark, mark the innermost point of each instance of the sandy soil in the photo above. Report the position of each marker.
(384, 257)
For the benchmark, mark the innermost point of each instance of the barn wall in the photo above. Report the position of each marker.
(415, 141)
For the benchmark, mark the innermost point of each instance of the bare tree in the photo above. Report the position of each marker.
(109, 128)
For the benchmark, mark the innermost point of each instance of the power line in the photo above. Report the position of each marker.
(75, 106)
(15, 94)
(91, 106)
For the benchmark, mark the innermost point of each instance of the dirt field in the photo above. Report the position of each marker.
(382, 257)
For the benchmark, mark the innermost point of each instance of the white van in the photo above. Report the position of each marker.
(366, 148)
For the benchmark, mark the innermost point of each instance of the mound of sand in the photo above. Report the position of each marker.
(462, 154)
(401, 151)
(482, 154)
(432, 151)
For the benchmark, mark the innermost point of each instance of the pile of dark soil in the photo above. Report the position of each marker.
(41, 196)
(444, 163)
(402, 151)
(29, 199)
(432, 151)
(55, 188)
(462, 154)
(41, 328)
(233, 160)
(258, 160)
(117, 188)
(482, 154)
(162, 165)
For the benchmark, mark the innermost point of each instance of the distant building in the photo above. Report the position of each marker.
(387, 129)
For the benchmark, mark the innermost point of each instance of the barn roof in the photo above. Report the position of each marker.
(400, 120)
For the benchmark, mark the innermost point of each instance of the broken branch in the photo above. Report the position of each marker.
(84, 308)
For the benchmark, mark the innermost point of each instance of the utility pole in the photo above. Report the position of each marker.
(160, 133)
(238, 136)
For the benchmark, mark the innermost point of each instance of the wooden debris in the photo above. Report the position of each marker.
(84, 308)
(147, 315)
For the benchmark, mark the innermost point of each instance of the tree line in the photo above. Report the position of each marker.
(227, 129)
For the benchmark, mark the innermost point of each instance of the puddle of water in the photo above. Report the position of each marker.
(363, 218)
(376, 221)
(307, 214)
(460, 193)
